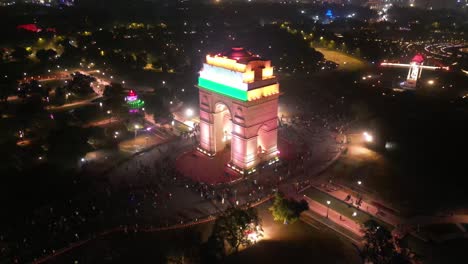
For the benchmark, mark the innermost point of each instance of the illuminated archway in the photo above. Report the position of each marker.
(239, 104)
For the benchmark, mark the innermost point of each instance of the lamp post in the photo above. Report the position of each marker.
(328, 207)
(109, 112)
(136, 130)
(368, 138)
(188, 112)
(359, 188)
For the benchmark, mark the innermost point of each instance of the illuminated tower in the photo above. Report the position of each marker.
(415, 71)
(239, 107)
(133, 103)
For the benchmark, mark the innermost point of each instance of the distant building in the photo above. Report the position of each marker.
(38, 2)
(379, 4)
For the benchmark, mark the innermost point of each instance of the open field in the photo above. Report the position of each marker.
(345, 61)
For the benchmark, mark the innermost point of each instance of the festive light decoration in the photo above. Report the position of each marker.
(223, 89)
(134, 104)
(229, 77)
(226, 63)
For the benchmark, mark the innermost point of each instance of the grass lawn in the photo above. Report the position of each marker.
(341, 207)
(294, 243)
(345, 61)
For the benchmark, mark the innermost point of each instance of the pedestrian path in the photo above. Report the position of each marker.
(365, 206)
(334, 216)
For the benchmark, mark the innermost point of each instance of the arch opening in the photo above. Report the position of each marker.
(262, 142)
(222, 126)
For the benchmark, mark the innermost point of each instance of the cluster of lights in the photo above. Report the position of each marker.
(235, 168)
(226, 76)
(273, 161)
(251, 171)
(226, 63)
(255, 234)
(133, 102)
(205, 152)
(368, 137)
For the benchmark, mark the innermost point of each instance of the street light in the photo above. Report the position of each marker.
(367, 137)
(136, 129)
(110, 116)
(328, 207)
(430, 82)
(189, 112)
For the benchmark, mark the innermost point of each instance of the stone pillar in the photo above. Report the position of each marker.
(207, 140)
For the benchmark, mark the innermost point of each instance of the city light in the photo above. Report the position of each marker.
(189, 112)
(368, 137)
(430, 82)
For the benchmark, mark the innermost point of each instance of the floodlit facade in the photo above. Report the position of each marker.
(239, 108)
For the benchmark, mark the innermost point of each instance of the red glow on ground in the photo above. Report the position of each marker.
(201, 168)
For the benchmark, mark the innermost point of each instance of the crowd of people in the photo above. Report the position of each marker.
(156, 185)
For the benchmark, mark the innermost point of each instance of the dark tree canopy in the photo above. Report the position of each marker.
(20, 53)
(233, 228)
(287, 210)
(380, 246)
(45, 55)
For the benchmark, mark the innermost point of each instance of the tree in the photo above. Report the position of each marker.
(59, 95)
(113, 90)
(45, 55)
(20, 53)
(7, 88)
(287, 210)
(380, 247)
(81, 84)
(155, 106)
(233, 228)
(114, 94)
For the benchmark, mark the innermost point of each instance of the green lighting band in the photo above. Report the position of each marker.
(223, 89)
(136, 104)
